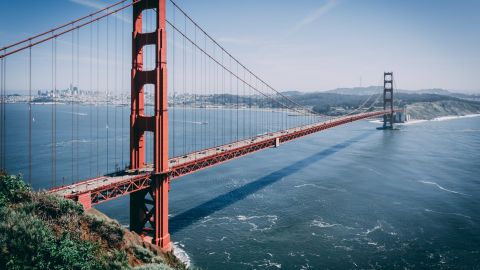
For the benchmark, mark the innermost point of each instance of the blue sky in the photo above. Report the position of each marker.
(313, 45)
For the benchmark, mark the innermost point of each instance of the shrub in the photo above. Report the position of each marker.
(12, 189)
(41, 231)
(153, 266)
(111, 232)
(54, 207)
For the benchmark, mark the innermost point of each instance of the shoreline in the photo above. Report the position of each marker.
(436, 119)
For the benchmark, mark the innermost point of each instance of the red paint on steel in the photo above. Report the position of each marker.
(85, 200)
(144, 219)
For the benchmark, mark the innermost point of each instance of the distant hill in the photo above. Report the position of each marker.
(361, 91)
(423, 104)
(370, 90)
(431, 110)
(436, 91)
(376, 89)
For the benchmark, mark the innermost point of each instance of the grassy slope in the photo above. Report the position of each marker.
(40, 231)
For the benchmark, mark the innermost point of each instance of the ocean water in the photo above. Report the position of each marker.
(352, 197)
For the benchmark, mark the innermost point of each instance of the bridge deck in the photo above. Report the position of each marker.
(111, 186)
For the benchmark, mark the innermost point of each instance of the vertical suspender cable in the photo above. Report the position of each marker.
(231, 101)
(30, 116)
(194, 92)
(204, 94)
(71, 101)
(115, 96)
(208, 99)
(211, 90)
(54, 115)
(223, 103)
(184, 88)
(250, 107)
(54, 111)
(4, 138)
(97, 102)
(174, 88)
(244, 99)
(214, 90)
(107, 91)
(256, 110)
(122, 96)
(90, 113)
(77, 176)
(2, 113)
(2, 167)
(237, 107)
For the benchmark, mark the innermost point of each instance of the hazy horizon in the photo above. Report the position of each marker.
(34, 92)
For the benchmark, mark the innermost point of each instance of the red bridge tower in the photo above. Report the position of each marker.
(149, 208)
(388, 100)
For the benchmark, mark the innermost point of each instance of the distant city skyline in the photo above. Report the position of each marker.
(302, 45)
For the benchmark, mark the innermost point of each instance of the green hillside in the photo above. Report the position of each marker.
(41, 231)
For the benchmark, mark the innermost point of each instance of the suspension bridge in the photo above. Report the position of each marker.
(214, 109)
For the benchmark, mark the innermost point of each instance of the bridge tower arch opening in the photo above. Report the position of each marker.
(388, 100)
(149, 208)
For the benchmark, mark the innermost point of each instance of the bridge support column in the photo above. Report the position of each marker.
(149, 212)
(388, 100)
(161, 188)
(149, 209)
(139, 211)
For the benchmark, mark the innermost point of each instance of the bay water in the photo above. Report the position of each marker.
(351, 197)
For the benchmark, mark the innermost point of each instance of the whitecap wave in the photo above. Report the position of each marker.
(320, 187)
(447, 213)
(377, 227)
(244, 218)
(381, 226)
(264, 223)
(269, 263)
(346, 248)
(322, 224)
(442, 188)
(68, 143)
(181, 254)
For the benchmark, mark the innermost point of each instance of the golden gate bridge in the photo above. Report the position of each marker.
(214, 109)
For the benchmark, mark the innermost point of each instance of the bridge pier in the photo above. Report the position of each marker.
(149, 212)
(161, 189)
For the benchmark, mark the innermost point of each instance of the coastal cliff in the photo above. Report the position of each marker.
(435, 109)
